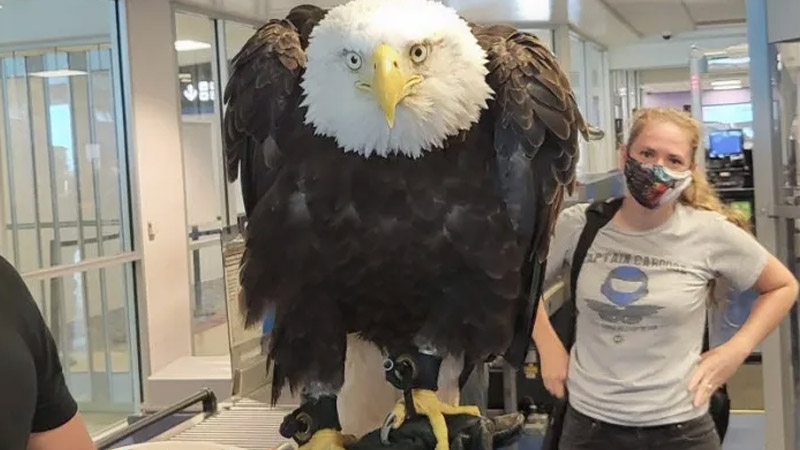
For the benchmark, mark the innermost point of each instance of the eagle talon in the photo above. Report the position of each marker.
(327, 439)
(427, 404)
(387, 427)
(288, 445)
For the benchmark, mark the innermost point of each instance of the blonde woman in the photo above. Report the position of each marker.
(636, 376)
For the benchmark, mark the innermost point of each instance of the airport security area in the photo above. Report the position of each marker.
(137, 138)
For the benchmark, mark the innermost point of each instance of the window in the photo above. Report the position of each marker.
(205, 48)
(203, 171)
(64, 201)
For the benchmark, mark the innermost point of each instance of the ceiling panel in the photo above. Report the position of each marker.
(253, 10)
(654, 17)
(514, 11)
(651, 17)
(712, 11)
(510, 11)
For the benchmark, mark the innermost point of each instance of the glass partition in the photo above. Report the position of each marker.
(786, 93)
(577, 78)
(203, 170)
(590, 82)
(601, 154)
(205, 47)
(64, 195)
(89, 316)
(63, 172)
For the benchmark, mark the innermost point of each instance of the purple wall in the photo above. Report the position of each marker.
(710, 97)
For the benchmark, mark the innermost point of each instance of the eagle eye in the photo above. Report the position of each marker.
(418, 53)
(353, 60)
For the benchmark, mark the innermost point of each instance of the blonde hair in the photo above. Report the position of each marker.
(700, 194)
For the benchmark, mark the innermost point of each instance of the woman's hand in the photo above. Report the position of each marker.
(716, 367)
(778, 288)
(554, 361)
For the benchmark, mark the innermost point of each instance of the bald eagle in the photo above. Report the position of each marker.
(401, 171)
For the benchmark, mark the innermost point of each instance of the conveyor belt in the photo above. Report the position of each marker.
(246, 424)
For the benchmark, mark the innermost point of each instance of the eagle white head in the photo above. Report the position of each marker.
(393, 76)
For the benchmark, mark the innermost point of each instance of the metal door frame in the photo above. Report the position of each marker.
(779, 391)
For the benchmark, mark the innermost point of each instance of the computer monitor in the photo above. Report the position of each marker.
(726, 143)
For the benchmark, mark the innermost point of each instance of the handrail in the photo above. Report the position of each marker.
(205, 396)
(82, 266)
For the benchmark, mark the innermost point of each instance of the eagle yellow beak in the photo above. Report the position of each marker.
(389, 84)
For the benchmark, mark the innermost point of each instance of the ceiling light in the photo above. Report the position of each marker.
(189, 45)
(729, 61)
(534, 10)
(726, 88)
(57, 73)
(726, 83)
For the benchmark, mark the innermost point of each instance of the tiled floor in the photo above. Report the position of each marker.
(746, 432)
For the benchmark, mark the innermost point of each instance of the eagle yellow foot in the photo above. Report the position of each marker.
(427, 404)
(328, 439)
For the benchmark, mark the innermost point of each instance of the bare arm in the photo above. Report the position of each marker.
(70, 436)
(778, 289)
(553, 357)
(544, 335)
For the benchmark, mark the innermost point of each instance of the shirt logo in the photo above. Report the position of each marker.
(623, 308)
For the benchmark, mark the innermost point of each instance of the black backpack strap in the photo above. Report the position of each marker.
(598, 214)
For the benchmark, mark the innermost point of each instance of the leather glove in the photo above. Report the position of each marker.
(465, 432)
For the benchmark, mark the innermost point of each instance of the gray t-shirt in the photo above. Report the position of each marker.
(641, 299)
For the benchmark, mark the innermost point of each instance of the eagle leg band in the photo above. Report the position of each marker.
(413, 371)
(310, 417)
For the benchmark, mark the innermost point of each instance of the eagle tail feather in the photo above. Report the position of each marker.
(520, 343)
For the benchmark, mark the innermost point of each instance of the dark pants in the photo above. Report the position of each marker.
(584, 433)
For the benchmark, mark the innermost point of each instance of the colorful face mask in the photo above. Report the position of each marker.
(654, 185)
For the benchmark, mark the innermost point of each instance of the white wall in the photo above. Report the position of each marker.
(653, 53)
(156, 142)
(665, 75)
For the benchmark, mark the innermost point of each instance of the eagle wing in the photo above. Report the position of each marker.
(536, 127)
(264, 87)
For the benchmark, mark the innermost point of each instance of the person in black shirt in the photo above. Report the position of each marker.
(37, 411)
